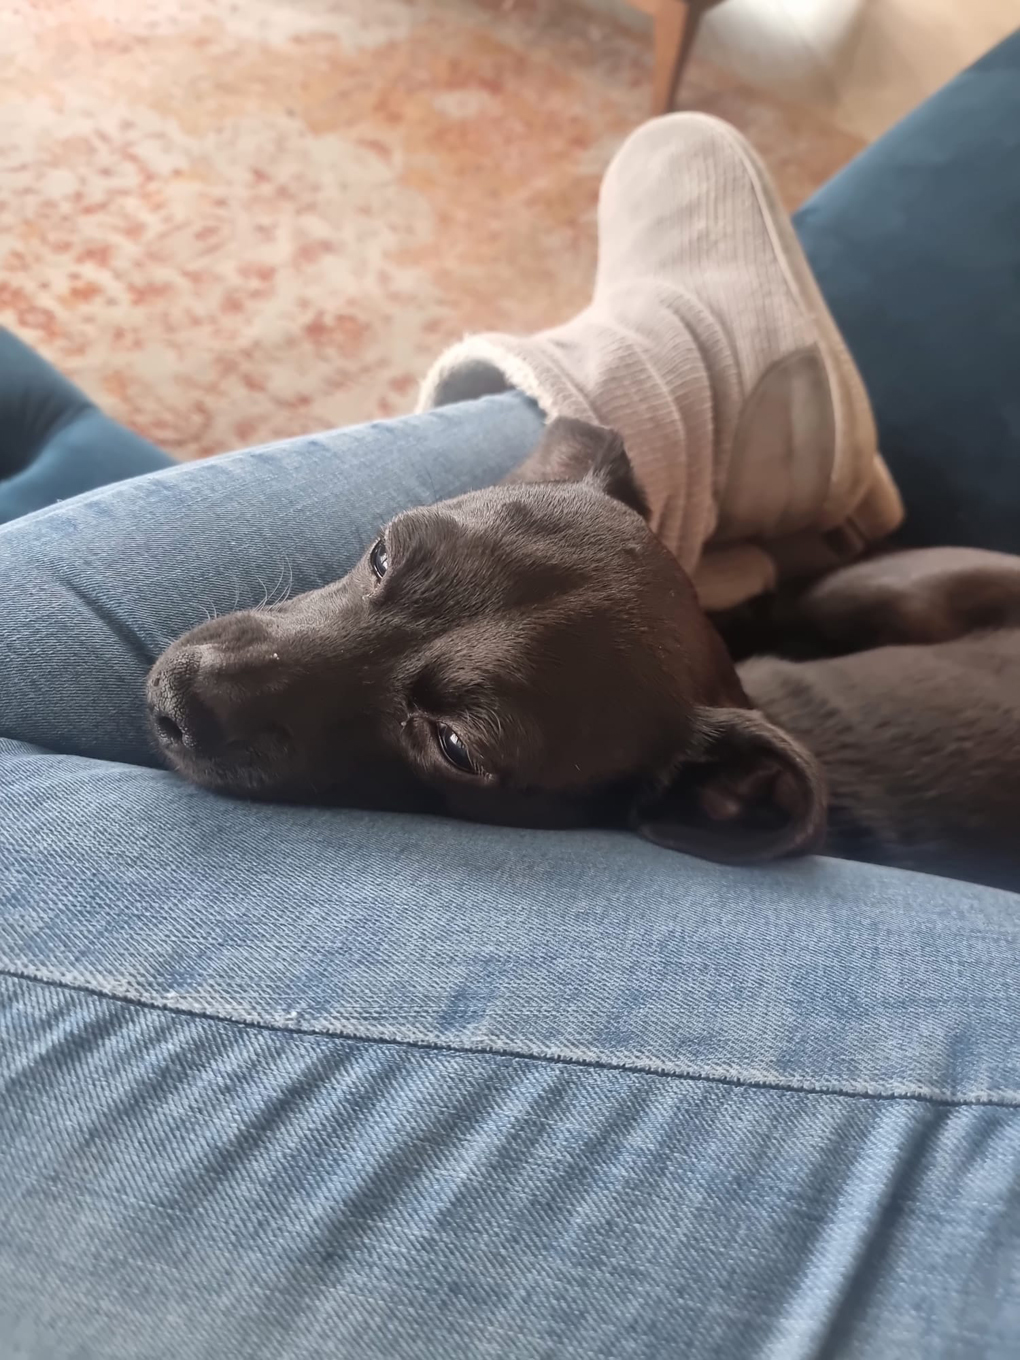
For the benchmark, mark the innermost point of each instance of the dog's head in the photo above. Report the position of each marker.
(529, 654)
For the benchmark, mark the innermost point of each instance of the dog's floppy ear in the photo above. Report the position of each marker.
(749, 792)
(575, 451)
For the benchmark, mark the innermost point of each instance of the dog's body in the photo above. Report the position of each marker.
(912, 709)
(532, 654)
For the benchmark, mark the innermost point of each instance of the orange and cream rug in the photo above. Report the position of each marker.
(236, 220)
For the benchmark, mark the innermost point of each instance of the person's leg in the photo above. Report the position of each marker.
(54, 443)
(286, 1083)
(93, 589)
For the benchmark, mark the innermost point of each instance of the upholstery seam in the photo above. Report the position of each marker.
(564, 1057)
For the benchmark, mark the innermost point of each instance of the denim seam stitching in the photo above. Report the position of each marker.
(1007, 1099)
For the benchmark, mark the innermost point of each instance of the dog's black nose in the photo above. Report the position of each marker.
(181, 719)
(207, 706)
(170, 732)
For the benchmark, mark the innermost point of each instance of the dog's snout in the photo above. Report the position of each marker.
(208, 699)
(182, 716)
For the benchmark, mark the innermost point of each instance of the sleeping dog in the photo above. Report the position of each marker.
(531, 654)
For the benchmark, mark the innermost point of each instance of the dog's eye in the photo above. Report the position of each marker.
(379, 559)
(454, 750)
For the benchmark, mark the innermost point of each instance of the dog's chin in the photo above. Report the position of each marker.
(242, 778)
(254, 776)
(540, 810)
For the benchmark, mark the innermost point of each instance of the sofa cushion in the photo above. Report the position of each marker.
(917, 248)
(54, 442)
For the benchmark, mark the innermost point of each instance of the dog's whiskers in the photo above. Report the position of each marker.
(279, 592)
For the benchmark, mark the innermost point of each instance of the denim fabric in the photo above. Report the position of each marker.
(54, 443)
(117, 573)
(285, 1083)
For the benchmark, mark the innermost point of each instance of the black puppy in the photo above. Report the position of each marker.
(531, 654)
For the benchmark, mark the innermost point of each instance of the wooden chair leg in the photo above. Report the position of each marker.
(676, 23)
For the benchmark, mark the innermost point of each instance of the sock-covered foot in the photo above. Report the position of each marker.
(708, 346)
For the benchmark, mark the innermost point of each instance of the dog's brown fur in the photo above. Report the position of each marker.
(543, 626)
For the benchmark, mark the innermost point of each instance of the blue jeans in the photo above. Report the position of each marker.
(280, 1083)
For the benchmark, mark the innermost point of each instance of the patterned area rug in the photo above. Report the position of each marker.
(236, 220)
